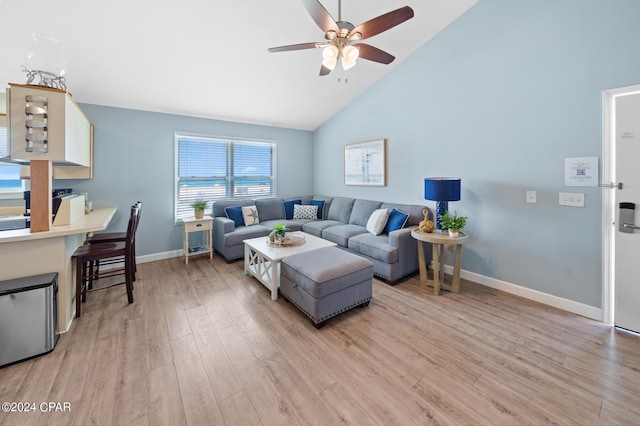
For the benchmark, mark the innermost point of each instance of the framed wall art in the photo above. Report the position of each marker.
(365, 163)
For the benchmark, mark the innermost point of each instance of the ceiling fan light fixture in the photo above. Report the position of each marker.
(330, 35)
(350, 53)
(340, 34)
(331, 64)
(330, 53)
(349, 57)
(347, 65)
(330, 56)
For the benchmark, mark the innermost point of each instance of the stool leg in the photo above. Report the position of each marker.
(89, 276)
(86, 280)
(95, 266)
(128, 277)
(79, 277)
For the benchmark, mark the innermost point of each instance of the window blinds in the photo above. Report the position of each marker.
(214, 169)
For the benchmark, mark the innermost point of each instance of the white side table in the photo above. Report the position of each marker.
(438, 240)
(198, 225)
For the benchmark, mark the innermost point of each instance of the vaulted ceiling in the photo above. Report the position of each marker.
(209, 58)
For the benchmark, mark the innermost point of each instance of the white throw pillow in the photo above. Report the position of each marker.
(377, 221)
(250, 214)
(305, 212)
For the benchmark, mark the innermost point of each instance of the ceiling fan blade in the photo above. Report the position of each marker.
(383, 22)
(299, 46)
(374, 54)
(320, 15)
(324, 70)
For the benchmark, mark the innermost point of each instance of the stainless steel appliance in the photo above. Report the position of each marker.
(28, 317)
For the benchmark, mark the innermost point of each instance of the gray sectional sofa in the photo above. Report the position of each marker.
(394, 255)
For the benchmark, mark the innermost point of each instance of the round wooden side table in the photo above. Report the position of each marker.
(438, 240)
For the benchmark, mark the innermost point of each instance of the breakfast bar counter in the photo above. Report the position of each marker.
(23, 254)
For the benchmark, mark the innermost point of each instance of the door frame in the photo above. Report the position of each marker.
(608, 205)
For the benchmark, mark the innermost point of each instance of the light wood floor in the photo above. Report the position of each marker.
(203, 344)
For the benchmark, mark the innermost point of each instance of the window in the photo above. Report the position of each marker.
(10, 182)
(212, 169)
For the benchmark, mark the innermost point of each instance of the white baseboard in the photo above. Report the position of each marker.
(159, 256)
(535, 295)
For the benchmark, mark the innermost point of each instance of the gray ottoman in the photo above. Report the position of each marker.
(326, 282)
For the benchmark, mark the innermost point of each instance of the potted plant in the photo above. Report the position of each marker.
(278, 233)
(198, 208)
(453, 223)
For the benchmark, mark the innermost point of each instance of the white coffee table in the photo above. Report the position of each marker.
(263, 260)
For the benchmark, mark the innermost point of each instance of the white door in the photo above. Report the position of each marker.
(626, 273)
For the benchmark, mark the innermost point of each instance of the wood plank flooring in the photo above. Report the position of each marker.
(205, 345)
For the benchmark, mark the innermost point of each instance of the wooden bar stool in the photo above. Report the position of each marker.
(120, 252)
(114, 237)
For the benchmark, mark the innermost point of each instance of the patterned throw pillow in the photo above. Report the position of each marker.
(305, 212)
(250, 215)
(377, 221)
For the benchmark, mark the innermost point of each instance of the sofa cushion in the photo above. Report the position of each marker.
(288, 208)
(292, 225)
(375, 246)
(320, 204)
(305, 212)
(250, 215)
(340, 209)
(270, 208)
(397, 220)
(362, 210)
(235, 214)
(316, 227)
(340, 234)
(245, 232)
(377, 221)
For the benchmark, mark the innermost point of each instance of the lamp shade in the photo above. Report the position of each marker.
(442, 189)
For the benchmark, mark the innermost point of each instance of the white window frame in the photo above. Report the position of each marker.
(229, 178)
(9, 193)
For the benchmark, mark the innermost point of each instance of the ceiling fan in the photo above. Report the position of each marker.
(342, 38)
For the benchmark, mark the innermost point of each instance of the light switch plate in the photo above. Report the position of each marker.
(531, 196)
(573, 199)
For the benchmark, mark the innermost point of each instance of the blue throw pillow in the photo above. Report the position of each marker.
(235, 214)
(397, 220)
(288, 208)
(320, 204)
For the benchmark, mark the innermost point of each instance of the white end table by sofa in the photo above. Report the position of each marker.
(438, 240)
(198, 225)
(262, 260)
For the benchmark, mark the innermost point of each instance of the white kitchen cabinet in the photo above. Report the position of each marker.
(62, 133)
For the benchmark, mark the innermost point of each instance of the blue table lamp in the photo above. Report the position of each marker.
(441, 190)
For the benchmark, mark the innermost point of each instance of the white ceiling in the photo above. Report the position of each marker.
(209, 58)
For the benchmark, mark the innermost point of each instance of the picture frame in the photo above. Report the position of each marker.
(365, 163)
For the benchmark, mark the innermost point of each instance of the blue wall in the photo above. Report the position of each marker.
(134, 160)
(500, 98)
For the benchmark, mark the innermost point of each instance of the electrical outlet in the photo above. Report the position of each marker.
(531, 197)
(572, 199)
